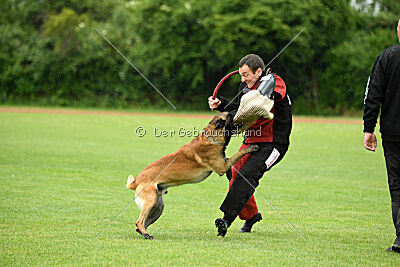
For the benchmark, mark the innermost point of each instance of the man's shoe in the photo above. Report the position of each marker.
(222, 226)
(393, 249)
(246, 228)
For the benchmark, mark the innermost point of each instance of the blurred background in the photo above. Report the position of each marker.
(51, 54)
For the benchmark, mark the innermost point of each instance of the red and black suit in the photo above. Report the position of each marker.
(272, 137)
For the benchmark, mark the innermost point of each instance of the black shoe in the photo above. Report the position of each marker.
(222, 226)
(246, 228)
(394, 249)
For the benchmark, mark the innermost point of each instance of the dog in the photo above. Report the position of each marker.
(192, 163)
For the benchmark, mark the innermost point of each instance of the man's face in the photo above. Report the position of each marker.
(249, 77)
(398, 30)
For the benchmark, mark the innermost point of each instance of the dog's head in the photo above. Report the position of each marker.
(222, 120)
(220, 127)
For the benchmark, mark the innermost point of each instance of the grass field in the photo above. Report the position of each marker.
(63, 180)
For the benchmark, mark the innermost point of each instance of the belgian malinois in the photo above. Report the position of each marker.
(192, 163)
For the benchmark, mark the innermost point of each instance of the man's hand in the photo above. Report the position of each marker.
(370, 141)
(213, 103)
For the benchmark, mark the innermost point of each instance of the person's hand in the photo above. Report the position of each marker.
(370, 141)
(213, 103)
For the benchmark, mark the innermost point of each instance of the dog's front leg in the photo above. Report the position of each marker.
(228, 163)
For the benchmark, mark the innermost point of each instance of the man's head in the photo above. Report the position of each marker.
(250, 69)
(398, 30)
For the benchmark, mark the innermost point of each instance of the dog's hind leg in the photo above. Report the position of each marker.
(146, 198)
(155, 212)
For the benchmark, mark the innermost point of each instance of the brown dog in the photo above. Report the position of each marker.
(192, 163)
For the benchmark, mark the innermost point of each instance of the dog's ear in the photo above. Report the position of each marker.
(220, 124)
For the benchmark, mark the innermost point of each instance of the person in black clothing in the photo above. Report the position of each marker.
(272, 137)
(383, 93)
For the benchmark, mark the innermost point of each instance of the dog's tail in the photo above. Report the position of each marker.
(130, 184)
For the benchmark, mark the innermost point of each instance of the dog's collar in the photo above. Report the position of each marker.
(211, 139)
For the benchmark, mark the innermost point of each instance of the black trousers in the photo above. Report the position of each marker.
(392, 158)
(268, 155)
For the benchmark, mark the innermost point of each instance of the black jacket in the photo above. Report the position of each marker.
(383, 93)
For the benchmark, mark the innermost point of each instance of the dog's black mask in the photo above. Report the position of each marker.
(227, 124)
(219, 124)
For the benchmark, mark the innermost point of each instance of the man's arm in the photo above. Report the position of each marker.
(222, 104)
(227, 105)
(374, 95)
(370, 142)
(280, 88)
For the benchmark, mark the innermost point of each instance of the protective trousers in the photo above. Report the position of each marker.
(245, 178)
(392, 158)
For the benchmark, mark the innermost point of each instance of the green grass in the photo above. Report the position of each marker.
(62, 180)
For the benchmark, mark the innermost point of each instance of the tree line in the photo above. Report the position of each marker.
(51, 53)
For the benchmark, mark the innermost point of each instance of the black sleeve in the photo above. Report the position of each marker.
(227, 105)
(374, 93)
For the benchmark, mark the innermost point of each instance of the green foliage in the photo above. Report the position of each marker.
(344, 81)
(23, 60)
(63, 29)
(50, 52)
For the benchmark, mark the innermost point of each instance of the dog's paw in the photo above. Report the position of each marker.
(148, 236)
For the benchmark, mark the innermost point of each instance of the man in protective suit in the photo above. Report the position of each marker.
(270, 134)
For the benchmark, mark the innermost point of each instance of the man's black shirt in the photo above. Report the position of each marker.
(383, 92)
